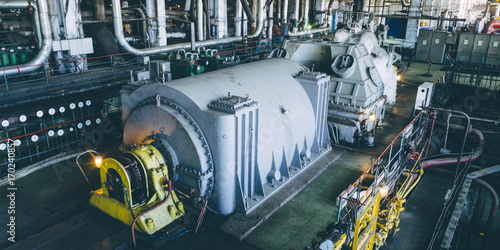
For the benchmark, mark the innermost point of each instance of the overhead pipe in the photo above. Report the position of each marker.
(187, 6)
(247, 10)
(285, 12)
(23, 4)
(237, 18)
(152, 24)
(162, 23)
(244, 27)
(46, 35)
(144, 24)
(260, 19)
(118, 31)
(308, 32)
(306, 12)
(278, 6)
(296, 10)
(270, 17)
(199, 20)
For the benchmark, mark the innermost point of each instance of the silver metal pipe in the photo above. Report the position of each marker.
(151, 13)
(144, 24)
(237, 18)
(278, 5)
(99, 10)
(260, 19)
(248, 12)
(244, 28)
(199, 20)
(285, 12)
(193, 35)
(46, 34)
(118, 31)
(23, 4)
(162, 23)
(270, 19)
(296, 10)
(306, 11)
(307, 32)
(187, 7)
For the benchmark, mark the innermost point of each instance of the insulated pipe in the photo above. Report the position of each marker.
(144, 24)
(453, 160)
(237, 18)
(270, 13)
(199, 20)
(494, 205)
(46, 34)
(187, 6)
(150, 13)
(307, 32)
(285, 12)
(248, 12)
(278, 6)
(162, 23)
(21, 4)
(306, 12)
(118, 31)
(260, 19)
(296, 11)
(244, 28)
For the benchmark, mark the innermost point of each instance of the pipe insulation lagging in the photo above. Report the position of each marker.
(453, 160)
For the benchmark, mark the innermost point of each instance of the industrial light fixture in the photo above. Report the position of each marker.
(98, 160)
(372, 117)
(398, 78)
(384, 190)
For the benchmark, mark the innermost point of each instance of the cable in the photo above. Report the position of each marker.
(173, 238)
(149, 210)
(128, 200)
(78, 164)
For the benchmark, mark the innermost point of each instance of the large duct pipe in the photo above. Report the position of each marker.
(285, 12)
(278, 6)
(199, 20)
(23, 4)
(453, 160)
(296, 10)
(248, 12)
(270, 19)
(46, 34)
(237, 18)
(144, 24)
(162, 23)
(118, 30)
(260, 19)
(308, 32)
(306, 11)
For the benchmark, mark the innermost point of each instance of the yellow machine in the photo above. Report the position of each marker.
(135, 186)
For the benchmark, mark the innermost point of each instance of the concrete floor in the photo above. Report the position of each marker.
(53, 211)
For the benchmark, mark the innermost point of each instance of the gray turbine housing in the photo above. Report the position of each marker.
(235, 135)
(362, 80)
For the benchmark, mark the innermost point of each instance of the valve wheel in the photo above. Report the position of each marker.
(414, 156)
